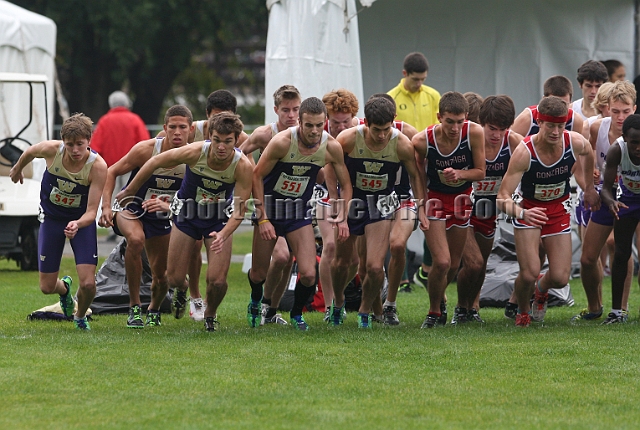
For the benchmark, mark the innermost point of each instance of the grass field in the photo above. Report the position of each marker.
(555, 375)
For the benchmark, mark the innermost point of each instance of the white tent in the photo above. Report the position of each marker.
(312, 45)
(27, 45)
(489, 46)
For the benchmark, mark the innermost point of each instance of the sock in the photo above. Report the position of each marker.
(617, 312)
(388, 303)
(266, 301)
(75, 318)
(256, 290)
(270, 312)
(300, 297)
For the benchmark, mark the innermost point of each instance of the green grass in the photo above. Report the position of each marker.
(555, 375)
(242, 242)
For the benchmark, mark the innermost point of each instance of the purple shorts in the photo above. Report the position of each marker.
(633, 210)
(602, 216)
(51, 241)
(197, 229)
(152, 227)
(581, 215)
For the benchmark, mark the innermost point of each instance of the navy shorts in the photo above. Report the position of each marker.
(51, 241)
(151, 226)
(197, 229)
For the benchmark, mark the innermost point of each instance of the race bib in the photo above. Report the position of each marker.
(291, 186)
(63, 199)
(388, 204)
(631, 185)
(370, 182)
(548, 192)
(176, 205)
(204, 197)
(319, 193)
(164, 195)
(444, 181)
(489, 186)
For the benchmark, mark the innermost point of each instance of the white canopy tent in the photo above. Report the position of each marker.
(27, 46)
(489, 46)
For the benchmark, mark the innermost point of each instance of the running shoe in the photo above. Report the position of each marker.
(254, 314)
(364, 320)
(431, 320)
(523, 320)
(66, 300)
(616, 319)
(327, 315)
(405, 287)
(197, 308)
(443, 313)
(298, 322)
(337, 316)
(179, 303)
(421, 278)
(276, 319)
(153, 319)
(135, 317)
(210, 324)
(474, 316)
(511, 310)
(390, 315)
(539, 305)
(585, 315)
(459, 316)
(82, 324)
(376, 319)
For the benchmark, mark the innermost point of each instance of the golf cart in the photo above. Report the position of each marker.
(19, 203)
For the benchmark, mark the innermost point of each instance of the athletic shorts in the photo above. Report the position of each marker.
(409, 204)
(285, 226)
(196, 229)
(602, 216)
(581, 214)
(486, 227)
(152, 227)
(362, 215)
(51, 241)
(455, 209)
(558, 214)
(633, 210)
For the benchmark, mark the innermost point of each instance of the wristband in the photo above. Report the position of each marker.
(521, 216)
(262, 221)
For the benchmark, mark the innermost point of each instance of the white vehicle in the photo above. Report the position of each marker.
(19, 203)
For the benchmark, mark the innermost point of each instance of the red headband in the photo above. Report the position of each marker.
(551, 118)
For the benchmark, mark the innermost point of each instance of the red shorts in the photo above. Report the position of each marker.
(455, 209)
(484, 226)
(558, 214)
(409, 204)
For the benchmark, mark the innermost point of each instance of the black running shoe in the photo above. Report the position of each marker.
(179, 303)
(430, 321)
(443, 313)
(210, 324)
(474, 316)
(459, 316)
(511, 310)
(390, 315)
(135, 317)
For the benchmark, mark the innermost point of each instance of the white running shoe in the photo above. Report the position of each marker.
(196, 309)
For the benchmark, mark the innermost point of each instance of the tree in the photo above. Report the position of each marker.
(141, 46)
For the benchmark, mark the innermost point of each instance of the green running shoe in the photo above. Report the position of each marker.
(82, 324)
(254, 314)
(364, 320)
(135, 317)
(298, 322)
(337, 315)
(153, 319)
(66, 300)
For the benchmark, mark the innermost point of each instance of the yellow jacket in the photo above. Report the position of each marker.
(418, 109)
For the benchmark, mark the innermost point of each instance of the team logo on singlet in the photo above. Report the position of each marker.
(372, 166)
(66, 186)
(300, 170)
(211, 184)
(164, 183)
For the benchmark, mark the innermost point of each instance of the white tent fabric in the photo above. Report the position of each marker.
(27, 45)
(494, 46)
(311, 45)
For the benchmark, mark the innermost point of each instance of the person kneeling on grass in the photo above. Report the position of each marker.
(69, 196)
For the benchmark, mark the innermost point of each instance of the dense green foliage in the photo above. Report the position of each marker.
(143, 46)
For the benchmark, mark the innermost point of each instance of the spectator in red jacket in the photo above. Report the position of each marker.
(118, 130)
